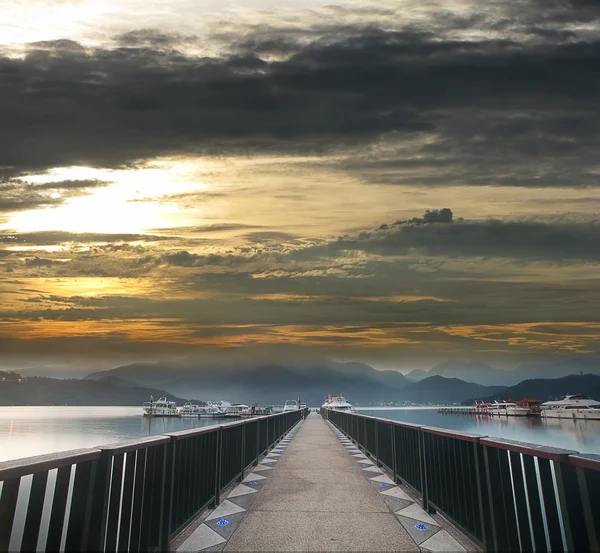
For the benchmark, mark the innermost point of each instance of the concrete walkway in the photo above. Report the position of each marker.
(316, 492)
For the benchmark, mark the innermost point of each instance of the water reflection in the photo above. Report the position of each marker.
(580, 435)
(27, 431)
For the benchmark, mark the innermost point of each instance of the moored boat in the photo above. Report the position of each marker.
(508, 409)
(161, 407)
(214, 409)
(572, 406)
(189, 411)
(337, 403)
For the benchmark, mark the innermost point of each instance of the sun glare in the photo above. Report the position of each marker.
(131, 202)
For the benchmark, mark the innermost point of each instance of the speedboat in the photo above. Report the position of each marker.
(572, 406)
(189, 411)
(508, 408)
(290, 405)
(337, 403)
(161, 407)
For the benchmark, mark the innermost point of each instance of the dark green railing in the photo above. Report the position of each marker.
(505, 495)
(129, 496)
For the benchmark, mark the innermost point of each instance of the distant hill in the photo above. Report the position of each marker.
(269, 383)
(53, 391)
(545, 389)
(481, 373)
(437, 389)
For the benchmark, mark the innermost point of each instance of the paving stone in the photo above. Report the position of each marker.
(442, 541)
(243, 501)
(241, 489)
(224, 509)
(202, 538)
(373, 469)
(225, 530)
(261, 468)
(253, 476)
(419, 535)
(395, 503)
(384, 478)
(397, 492)
(416, 512)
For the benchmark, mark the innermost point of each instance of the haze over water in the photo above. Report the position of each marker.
(27, 431)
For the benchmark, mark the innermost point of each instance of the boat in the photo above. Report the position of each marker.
(508, 409)
(290, 405)
(572, 406)
(161, 407)
(214, 409)
(337, 403)
(235, 410)
(189, 411)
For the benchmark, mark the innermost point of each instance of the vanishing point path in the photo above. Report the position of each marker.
(316, 492)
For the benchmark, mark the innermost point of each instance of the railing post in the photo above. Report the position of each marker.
(377, 443)
(97, 529)
(218, 471)
(257, 442)
(166, 516)
(243, 454)
(394, 461)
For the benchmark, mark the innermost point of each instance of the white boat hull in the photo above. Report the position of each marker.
(577, 414)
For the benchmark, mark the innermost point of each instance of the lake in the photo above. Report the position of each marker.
(27, 431)
(582, 436)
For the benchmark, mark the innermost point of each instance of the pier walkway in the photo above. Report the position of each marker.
(316, 492)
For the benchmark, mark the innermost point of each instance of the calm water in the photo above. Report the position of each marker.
(26, 431)
(582, 436)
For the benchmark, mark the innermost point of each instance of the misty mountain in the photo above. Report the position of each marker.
(481, 373)
(267, 384)
(545, 389)
(438, 389)
(103, 391)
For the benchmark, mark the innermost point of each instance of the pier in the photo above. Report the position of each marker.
(292, 482)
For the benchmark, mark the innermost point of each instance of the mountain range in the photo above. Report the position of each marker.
(481, 373)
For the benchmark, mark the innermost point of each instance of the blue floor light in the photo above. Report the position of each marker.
(222, 522)
(421, 526)
(383, 485)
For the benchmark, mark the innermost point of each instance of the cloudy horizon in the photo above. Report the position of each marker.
(398, 183)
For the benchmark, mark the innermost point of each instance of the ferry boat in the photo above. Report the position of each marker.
(572, 406)
(235, 410)
(160, 408)
(189, 411)
(337, 403)
(507, 408)
(214, 409)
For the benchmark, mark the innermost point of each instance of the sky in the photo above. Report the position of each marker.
(393, 182)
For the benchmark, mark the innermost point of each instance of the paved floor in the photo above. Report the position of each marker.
(317, 492)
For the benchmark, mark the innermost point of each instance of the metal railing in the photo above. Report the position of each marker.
(128, 496)
(505, 495)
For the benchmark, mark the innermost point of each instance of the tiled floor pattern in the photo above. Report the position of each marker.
(423, 529)
(219, 525)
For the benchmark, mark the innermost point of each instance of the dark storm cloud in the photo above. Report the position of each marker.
(57, 237)
(435, 234)
(16, 195)
(509, 111)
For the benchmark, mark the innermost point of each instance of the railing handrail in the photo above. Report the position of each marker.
(589, 460)
(16, 468)
(133, 445)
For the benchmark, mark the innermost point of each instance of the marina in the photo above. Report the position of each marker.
(340, 481)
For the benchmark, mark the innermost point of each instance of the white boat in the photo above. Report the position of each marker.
(290, 405)
(337, 403)
(189, 411)
(160, 408)
(507, 409)
(573, 406)
(214, 409)
(236, 410)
